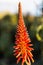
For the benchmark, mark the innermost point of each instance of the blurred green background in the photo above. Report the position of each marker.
(8, 25)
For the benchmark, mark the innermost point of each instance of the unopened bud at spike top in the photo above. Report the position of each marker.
(20, 10)
(22, 47)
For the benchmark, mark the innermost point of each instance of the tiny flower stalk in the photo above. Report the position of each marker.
(22, 48)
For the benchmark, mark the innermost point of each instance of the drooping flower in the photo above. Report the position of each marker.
(23, 47)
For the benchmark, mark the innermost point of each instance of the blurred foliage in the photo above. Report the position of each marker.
(13, 19)
(39, 33)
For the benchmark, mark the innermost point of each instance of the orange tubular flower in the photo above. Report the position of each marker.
(22, 48)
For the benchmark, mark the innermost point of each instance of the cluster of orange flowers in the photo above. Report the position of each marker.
(23, 47)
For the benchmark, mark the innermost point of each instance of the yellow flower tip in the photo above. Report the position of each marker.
(18, 55)
(33, 60)
(28, 63)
